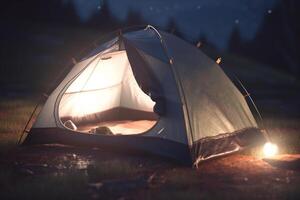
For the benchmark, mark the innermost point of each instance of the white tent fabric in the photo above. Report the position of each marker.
(214, 104)
(48, 117)
(201, 112)
(107, 83)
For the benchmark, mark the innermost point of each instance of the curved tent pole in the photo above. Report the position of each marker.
(30, 118)
(218, 61)
(45, 95)
(84, 51)
(180, 89)
(265, 132)
(156, 31)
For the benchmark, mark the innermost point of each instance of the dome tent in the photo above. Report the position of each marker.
(191, 109)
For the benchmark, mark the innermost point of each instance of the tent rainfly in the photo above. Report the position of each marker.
(148, 91)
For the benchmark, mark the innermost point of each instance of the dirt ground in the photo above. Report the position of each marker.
(144, 177)
(60, 172)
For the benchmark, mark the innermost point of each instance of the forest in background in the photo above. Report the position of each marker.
(38, 40)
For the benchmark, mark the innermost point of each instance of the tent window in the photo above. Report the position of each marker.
(106, 99)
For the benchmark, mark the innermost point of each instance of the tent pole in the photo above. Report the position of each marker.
(30, 118)
(265, 132)
(180, 87)
(42, 96)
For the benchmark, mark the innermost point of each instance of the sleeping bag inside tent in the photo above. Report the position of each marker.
(148, 91)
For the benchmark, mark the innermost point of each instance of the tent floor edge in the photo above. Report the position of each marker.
(124, 144)
(225, 144)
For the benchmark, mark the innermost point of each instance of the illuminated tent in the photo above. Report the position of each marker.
(148, 91)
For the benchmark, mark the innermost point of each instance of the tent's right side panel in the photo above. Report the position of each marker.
(216, 109)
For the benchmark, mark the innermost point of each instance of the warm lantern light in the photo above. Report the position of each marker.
(270, 149)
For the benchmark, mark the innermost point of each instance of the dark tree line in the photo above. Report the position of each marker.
(56, 12)
(39, 11)
(277, 42)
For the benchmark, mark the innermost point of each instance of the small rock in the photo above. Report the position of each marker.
(26, 172)
(96, 186)
(287, 180)
(151, 178)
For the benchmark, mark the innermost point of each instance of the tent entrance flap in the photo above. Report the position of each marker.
(106, 96)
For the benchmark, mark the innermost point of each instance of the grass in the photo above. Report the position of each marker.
(113, 169)
(14, 113)
(283, 132)
(175, 182)
(72, 184)
(178, 183)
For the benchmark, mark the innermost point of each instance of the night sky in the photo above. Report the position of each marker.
(213, 19)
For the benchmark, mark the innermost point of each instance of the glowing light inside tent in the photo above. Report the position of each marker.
(270, 149)
(85, 104)
(105, 84)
